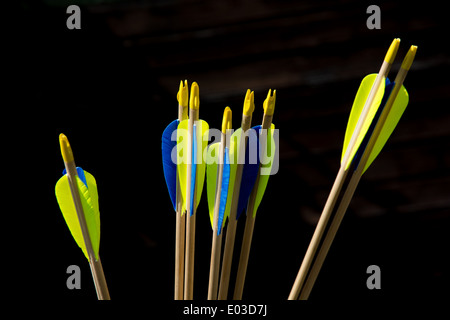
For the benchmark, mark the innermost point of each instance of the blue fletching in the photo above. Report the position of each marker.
(250, 170)
(387, 92)
(169, 167)
(80, 173)
(194, 166)
(224, 189)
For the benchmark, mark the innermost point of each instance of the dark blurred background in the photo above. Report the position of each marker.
(111, 88)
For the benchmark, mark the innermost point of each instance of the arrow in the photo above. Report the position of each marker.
(242, 157)
(218, 179)
(171, 176)
(192, 140)
(364, 109)
(76, 193)
(266, 143)
(387, 119)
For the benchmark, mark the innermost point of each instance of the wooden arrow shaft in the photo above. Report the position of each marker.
(180, 230)
(216, 239)
(99, 279)
(250, 220)
(318, 233)
(232, 221)
(329, 237)
(190, 218)
(180, 235)
(245, 251)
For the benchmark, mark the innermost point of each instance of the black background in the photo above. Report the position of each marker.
(111, 88)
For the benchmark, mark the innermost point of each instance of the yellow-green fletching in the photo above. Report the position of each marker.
(89, 201)
(357, 108)
(212, 159)
(399, 106)
(266, 165)
(202, 140)
(183, 157)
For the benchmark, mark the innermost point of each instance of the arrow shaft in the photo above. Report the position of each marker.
(318, 233)
(232, 222)
(190, 217)
(214, 265)
(245, 250)
(216, 239)
(329, 237)
(180, 229)
(99, 279)
(250, 219)
(180, 235)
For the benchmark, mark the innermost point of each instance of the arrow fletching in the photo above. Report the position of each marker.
(399, 106)
(357, 108)
(395, 105)
(224, 191)
(266, 163)
(169, 167)
(87, 188)
(211, 183)
(232, 152)
(250, 171)
(201, 143)
(212, 160)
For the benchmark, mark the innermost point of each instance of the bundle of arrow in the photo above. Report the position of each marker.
(237, 181)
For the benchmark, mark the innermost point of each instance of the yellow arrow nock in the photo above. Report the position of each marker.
(249, 103)
(66, 150)
(409, 58)
(392, 52)
(226, 121)
(269, 103)
(183, 94)
(194, 102)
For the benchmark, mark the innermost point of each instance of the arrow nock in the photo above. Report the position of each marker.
(269, 103)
